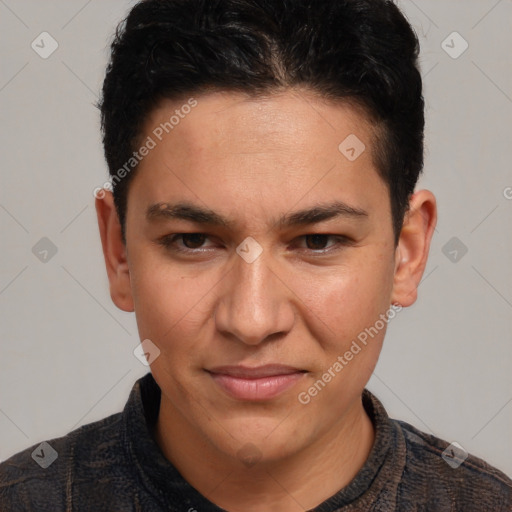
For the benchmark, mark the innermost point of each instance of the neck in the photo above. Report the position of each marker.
(299, 482)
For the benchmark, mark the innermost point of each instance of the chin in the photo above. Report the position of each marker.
(267, 439)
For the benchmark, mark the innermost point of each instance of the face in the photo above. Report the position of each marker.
(257, 252)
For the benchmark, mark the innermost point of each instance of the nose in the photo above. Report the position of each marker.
(254, 303)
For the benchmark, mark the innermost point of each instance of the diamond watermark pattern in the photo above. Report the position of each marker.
(146, 352)
(352, 147)
(249, 454)
(45, 455)
(44, 45)
(249, 249)
(454, 45)
(454, 249)
(454, 455)
(44, 250)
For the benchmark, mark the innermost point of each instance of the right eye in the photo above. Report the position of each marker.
(190, 242)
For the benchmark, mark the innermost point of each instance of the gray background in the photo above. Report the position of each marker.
(67, 352)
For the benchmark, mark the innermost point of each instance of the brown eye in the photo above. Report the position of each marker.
(193, 240)
(316, 242)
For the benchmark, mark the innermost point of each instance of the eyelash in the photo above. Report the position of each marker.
(169, 243)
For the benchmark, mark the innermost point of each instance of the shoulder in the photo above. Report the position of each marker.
(446, 472)
(31, 476)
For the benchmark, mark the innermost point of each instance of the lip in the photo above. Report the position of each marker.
(256, 383)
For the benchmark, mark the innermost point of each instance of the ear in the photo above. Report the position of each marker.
(114, 251)
(413, 247)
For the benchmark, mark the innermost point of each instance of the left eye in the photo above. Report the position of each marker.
(318, 242)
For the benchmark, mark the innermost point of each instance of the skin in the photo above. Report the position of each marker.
(301, 302)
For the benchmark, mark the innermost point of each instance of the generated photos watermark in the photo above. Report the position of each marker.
(305, 397)
(149, 143)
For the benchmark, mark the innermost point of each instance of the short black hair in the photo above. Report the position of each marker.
(359, 51)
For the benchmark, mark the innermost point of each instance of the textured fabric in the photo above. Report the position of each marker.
(116, 465)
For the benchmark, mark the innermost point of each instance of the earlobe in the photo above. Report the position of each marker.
(413, 247)
(114, 252)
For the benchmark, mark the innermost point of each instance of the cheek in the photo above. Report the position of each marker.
(347, 310)
(349, 300)
(164, 298)
(174, 304)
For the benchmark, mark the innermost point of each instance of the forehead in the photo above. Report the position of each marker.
(229, 149)
(230, 122)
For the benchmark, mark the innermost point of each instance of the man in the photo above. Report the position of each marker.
(264, 227)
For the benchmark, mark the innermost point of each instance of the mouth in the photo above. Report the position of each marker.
(255, 383)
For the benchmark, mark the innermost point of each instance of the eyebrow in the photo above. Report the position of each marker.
(191, 212)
